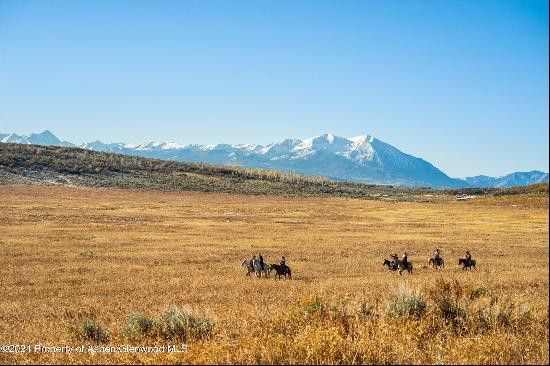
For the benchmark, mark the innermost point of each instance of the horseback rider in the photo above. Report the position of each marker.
(468, 256)
(283, 263)
(404, 260)
(437, 261)
(395, 260)
(261, 261)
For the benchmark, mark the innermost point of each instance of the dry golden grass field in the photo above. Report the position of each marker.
(78, 264)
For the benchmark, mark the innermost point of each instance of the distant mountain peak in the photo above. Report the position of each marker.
(45, 137)
(45, 133)
(361, 158)
(362, 139)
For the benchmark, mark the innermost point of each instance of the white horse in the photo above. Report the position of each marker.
(256, 268)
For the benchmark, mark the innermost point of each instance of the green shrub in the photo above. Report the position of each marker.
(183, 325)
(138, 325)
(486, 317)
(88, 330)
(448, 297)
(407, 304)
(475, 292)
(315, 306)
(505, 314)
(203, 329)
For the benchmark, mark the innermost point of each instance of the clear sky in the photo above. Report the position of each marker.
(462, 84)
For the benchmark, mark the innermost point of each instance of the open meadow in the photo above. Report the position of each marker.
(95, 266)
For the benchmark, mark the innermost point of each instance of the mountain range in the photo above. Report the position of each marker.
(362, 159)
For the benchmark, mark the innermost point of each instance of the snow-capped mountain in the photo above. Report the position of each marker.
(510, 180)
(361, 158)
(44, 138)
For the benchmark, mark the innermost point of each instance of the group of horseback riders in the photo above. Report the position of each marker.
(436, 261)
(437, 254)
(404, 259)
(258, 266)
(260, 258)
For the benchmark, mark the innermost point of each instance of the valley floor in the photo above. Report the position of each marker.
(70, 254)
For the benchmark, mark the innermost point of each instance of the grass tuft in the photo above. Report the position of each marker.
(88, 330)
(137, 326)
(407, 304)
(182, 324)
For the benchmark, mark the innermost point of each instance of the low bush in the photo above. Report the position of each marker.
(138, 325)
(183, 325)
(88, 330)
(478, 291)
(407, 304)
(449, 299)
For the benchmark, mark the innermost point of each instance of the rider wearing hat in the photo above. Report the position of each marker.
(404, 260)
(261, 261)
(283, 263)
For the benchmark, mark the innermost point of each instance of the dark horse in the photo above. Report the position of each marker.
(437, 263)
(281, 271)
(467, 263)
(398, 266)
(391, 265)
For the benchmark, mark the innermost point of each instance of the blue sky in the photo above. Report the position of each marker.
(462, 84)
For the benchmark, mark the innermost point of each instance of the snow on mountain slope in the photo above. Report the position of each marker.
(44, 138)
(361, 158)
(100, 146)
(510, 180)
(14, 138)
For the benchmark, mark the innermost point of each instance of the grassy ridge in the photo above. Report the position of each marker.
(80, 167)
(537, 188)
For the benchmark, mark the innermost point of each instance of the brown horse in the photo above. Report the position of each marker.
(467, 263)
(437, 263)
(281, 271)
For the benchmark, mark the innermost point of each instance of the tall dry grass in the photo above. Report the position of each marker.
(102, 266)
